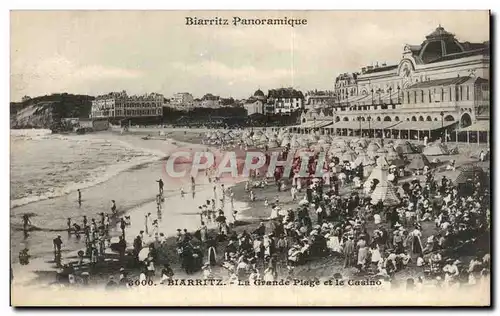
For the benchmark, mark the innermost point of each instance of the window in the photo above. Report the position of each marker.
(422, 95)
(467, 93)
(430, 99)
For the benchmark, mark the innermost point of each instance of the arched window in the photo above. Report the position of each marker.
(414, 119)
(378, 118)
(396, 118)
(435, 119)
(346, 119)
(387, 119)
(428, 118)
(420, 118)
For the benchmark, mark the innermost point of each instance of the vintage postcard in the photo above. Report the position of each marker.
(250, 158)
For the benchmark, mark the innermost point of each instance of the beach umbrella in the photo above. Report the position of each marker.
(143, 254)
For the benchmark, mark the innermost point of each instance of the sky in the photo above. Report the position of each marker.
(96, 52)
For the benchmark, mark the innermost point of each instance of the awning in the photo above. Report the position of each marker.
(421, 125)
(383, 124)
(479, 126)
(315, 124)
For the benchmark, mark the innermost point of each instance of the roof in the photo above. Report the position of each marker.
(285, 93)
(259, 93)
(421, 125)
(439, 82)
(380, 69)
(439, 32)
(480, 126)
(316, 124)
(483, 51)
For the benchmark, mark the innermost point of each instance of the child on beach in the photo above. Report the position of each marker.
(113, 207)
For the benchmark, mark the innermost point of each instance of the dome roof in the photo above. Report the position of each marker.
(439, 32)
(259, 93)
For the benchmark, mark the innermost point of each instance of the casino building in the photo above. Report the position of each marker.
(440, 87)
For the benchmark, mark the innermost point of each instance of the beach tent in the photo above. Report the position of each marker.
(349, 156)
(378, 173)
(392, 154)
(285, 141)
(373, 147)
(382, 161)
(398, 162)
(435, 149)
(406, 148)
(385, 192)
(418, 161)
(470, 172)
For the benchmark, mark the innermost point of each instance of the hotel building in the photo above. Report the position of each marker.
(119, 105)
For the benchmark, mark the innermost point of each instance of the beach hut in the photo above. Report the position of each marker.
(418, 161)
(435, 149)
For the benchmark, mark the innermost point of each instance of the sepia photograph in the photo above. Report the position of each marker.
(250, 158)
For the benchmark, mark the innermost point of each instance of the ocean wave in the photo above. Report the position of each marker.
(99, 175)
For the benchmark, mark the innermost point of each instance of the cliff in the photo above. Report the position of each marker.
(49, 110)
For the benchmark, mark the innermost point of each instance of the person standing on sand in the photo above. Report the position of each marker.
(160, 186)
(348, 252)
(122, 226)
(146, 223)
(57, 246)
(113, 207)
(79, 197)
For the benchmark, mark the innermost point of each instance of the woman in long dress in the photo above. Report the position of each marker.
(417, 242)
(333, 243)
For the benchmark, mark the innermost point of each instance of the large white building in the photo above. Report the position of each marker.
(120, 105)
(182, 99)
(442, 84)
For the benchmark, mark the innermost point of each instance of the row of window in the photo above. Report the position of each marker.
(459, 93)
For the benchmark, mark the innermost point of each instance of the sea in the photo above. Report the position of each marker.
(47, 170)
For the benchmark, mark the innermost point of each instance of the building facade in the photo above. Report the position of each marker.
(284, 101)
(182, 99)
(256, 103)
(441, 79)
(120, 105)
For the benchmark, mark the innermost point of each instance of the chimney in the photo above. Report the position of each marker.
(376, 65)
